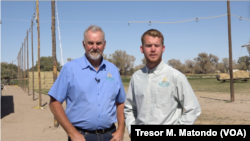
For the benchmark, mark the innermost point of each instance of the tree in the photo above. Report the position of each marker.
(69, 59)
(242, 66)
(206, 62)
(143, 61)
(177, 65)
(138, 67)
(190, 64)
(46, 64)
(235, 64)
(122, 61)
(174, 63)
(7, 70)
(213, 58)
(105, 57)
(221, 67)
(244, 60)
(225, 62)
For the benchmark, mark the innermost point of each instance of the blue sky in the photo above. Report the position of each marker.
(182, 40)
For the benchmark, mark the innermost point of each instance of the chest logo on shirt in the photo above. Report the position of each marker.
(109, 77)
(164, 83)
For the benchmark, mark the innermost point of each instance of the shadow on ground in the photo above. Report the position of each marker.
(7, 105)
(215, 99)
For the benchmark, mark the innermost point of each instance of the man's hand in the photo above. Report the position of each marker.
(58, 111)
(77, 137)
(117, 136)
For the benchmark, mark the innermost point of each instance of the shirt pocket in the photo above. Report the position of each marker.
(165, 96)
(110, 89)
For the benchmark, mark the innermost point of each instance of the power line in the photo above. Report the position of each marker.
(186, 20)
(142, 21)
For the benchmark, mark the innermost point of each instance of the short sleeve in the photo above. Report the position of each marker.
(60, 87)
(120, 98)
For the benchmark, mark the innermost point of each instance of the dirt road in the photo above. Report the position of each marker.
(21, 121)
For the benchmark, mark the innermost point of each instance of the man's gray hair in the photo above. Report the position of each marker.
(93, 28)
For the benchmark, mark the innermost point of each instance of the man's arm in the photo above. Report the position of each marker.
(188, 100)
(118, 135)
(58, 111)
(130, 110)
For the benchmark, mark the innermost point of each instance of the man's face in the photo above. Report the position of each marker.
(94, 44)
(152, 49)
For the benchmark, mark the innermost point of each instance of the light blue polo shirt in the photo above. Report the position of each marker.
(90, 104)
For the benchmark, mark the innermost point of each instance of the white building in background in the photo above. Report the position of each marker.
(234, 70)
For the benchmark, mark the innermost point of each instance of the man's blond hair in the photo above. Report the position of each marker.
(153, 33)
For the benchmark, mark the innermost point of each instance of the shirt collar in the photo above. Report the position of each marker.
(85, 63)
(156, 69)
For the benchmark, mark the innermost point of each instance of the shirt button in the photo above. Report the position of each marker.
(98, 104)
(149, 79)
(98, 116)
(148, 102)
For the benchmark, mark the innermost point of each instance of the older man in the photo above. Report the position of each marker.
(93, 91)
(158, 93)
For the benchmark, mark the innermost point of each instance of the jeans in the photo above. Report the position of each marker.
(97, 137)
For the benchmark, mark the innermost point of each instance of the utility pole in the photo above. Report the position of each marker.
(230, 51)
(25, 59)
(12, 72)
(19, 61)
(32, 60)
(28, 61)
(38, 55)
(56, 123)
(18, 68)
(22, 67)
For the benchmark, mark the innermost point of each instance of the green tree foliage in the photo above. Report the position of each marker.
(46, 64)
(244, 62)
(7, 70)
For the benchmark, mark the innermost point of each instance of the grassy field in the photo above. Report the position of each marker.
(212, 85)
(199, 83)
(203, 83)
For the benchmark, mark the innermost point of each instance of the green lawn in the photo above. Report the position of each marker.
(212, 85)
(198, 85)
(125, 81)
(202, 83)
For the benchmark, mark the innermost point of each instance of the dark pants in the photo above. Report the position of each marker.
(97, 137)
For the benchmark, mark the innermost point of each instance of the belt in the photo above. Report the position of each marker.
(98, 131)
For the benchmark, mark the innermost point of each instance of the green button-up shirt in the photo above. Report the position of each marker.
(161, 95)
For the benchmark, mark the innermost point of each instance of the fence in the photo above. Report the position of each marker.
(46, 80)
